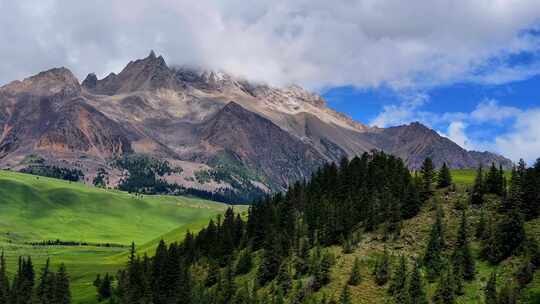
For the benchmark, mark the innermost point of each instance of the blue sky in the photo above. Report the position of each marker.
(478, 116)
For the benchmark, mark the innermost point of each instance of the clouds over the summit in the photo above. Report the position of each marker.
(314, 43)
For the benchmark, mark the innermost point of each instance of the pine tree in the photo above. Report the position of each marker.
(412, 202)
(494, 180)
(481, 226)
(322, 272)
(398, 283)
(427, 178)
(105, 288)
(444, 178)
(445, 293)
(462, 257)
(245, 262)
(416, 293)
(284, 279)
(355, 277)
(62, 290)
(477, 194)
(23, 283)
(97, 281)
(514, 199)
(345, 297)
(490, 292)
(509, 236)
(157, 280)
(507, 294)
(228, 286)
(212, 276)
(269, 266)
(433, 255)
(382, 269)
(525, 273)
(46, 285)
(4, 282)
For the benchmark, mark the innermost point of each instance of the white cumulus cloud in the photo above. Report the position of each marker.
(316, 43)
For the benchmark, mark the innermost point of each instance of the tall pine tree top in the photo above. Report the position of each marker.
(444, 178)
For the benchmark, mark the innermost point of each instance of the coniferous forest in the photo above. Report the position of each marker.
(284, 249)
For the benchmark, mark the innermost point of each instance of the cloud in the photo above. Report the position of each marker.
(315, 43)
(456, 132)
(491, 111)
(404, 112)
(523, 141)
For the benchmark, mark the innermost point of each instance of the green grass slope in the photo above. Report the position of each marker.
(38, 208)
(414, 236)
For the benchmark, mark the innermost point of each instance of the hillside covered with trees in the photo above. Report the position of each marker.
(365, 231)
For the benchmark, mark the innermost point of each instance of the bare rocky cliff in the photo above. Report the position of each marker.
(222, 132)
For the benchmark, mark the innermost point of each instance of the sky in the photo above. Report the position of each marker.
(468, 69)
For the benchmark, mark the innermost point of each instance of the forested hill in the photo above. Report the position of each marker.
(363, 231)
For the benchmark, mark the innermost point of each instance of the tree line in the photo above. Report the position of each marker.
(50, 287)
(283, 242)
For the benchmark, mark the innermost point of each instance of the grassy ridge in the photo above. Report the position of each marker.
(38, 208)
(465, 177)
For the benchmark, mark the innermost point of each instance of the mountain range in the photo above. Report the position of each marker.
(216, 131)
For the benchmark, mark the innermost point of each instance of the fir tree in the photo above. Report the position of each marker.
(481, 226)
(345, 297)
(228, 286)
(427, 178)
(490, 292)
(416, 293)
(412, 202)
(433, 255)
(212, 276)
(284, 279)
(444, 178)
(105, 288)
(382, 269)
(445, 293)
(494, 180)
(97, 281)
(514, 199)
(245, 262)
(269, 266)
(507, 294)
(462, 257)
(398, 283)
(477, 194)
(4, 282)
(45, 288)
(62, 290)
(322, 272)
(509, 236)
(525, 273)
(355, 277)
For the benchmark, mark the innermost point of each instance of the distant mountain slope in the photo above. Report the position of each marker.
(414, 142)
(222, 133)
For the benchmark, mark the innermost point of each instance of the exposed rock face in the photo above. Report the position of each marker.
(415, 142)
(78, 127)
(260, 145)
(202, 120)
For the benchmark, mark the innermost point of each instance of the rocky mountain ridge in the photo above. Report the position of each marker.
(222, 131)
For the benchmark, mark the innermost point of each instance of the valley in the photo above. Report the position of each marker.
(34, 209)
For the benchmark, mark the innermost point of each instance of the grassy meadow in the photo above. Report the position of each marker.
(34, 209)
